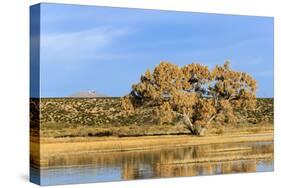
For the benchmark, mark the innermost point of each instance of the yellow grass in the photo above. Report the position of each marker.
(65, 146)
(46, 147)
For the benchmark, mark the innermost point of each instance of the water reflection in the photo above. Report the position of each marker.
(169, 162)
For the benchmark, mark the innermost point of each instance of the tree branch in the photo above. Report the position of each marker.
(211, 118)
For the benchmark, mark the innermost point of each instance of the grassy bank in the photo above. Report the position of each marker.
(75, 146)
(59, 130)
(95, 117)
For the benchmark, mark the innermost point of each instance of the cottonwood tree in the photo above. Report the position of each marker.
(193, 94)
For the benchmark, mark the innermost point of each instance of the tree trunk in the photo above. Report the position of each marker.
(188, 123)
(195, 130)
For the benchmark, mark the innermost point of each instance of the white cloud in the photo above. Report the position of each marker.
(79, 45)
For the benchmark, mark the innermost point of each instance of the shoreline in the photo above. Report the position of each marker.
(79, 145)
(71, 147)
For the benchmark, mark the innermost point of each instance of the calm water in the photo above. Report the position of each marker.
(169, 162)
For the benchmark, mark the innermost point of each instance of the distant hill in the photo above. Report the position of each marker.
(87, 94)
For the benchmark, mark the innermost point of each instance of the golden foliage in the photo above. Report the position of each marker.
(193, 91)
(127, 105)
(165, 113)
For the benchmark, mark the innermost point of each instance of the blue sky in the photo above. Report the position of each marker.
(107, 49)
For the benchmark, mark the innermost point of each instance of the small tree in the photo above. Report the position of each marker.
(194, 93)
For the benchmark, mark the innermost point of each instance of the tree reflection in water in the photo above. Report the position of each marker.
(173, 162)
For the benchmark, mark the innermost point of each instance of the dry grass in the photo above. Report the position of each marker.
(55, 147)
(119, 131)
(64, 146)
(145, 130)
(242, 128)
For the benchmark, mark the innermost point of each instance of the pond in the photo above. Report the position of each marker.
(206, 159)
